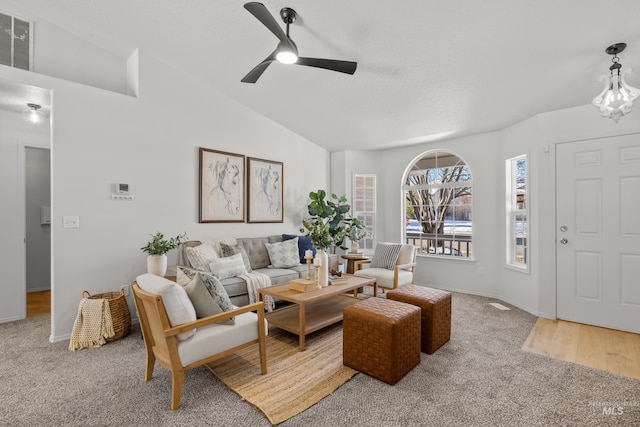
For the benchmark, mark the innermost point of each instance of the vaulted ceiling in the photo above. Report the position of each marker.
(427, 69)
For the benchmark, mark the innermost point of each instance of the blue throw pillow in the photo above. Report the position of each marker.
(304, 243)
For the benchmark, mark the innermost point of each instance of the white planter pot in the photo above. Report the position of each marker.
(323, 271)
(157, 264)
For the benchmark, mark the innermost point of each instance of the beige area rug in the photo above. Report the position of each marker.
(295, 380)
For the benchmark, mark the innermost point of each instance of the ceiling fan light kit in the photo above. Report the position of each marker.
(287, 52)
(617, 97)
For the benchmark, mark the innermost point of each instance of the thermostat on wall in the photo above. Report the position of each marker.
(122, 188)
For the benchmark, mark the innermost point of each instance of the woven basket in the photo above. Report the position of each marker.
(119, 312)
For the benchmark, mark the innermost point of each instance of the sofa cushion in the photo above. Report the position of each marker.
(256, 250)
(302, 271)
(279, 275)
(228, 250)
(174, 298)
(200, 256)
(304, 244)
(284, 254)
(227, 267)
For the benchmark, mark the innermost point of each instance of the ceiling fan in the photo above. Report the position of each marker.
(287, 52)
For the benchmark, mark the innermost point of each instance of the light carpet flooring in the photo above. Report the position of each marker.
(482, 377)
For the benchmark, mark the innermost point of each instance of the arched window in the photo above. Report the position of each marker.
(438, 190)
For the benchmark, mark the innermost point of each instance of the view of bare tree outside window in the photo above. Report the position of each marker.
(438, 195)
(517, 212)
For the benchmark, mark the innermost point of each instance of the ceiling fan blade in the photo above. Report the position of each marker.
(257, 71)
(260, 11)
(347, 67)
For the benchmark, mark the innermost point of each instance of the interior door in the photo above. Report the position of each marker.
(598, 235)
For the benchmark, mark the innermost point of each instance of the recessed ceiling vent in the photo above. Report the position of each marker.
(16, 40)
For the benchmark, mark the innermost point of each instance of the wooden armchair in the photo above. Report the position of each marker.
(401, 274)
(211, 340)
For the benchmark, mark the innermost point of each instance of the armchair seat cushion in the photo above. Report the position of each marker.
(217, 338)
(384, 277)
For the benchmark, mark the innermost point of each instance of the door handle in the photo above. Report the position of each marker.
(564, 241)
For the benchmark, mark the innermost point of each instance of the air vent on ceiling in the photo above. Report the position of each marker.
(16, 38)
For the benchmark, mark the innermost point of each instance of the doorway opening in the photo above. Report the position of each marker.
(37, 220)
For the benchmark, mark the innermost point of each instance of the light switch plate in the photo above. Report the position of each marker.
(70, 222)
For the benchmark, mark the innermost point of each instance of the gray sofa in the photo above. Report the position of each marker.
(259, 259)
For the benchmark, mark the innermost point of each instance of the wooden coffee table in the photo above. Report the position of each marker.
(315, 309)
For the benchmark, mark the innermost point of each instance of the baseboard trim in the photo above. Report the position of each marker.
(66, 337)
(10, 319)
(498, 297)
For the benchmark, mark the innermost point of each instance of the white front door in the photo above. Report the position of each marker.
(598, 231)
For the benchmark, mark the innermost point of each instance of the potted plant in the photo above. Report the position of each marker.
(356, 232)
(332, 212)
(157, 249)
(329, 223)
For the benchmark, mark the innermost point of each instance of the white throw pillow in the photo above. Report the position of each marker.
(227, 267)
(200, 256)
(284, 254)
(175, 299)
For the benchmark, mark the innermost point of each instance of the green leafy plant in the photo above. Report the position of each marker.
(329, 220)
(318, 232)
(357, 230)
(158, 245)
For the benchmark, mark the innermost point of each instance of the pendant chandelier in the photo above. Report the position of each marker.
(616, 99)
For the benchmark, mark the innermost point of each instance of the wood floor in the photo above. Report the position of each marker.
(38, 303)
(601, 348)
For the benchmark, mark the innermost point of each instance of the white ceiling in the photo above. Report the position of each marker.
(15, 97)
(427, 69)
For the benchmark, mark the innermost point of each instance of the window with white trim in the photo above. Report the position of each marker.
(517, 212)
(364, 205)
(16, 42)
(438, 190)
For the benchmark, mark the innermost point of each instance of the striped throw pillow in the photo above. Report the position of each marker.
(386, 255)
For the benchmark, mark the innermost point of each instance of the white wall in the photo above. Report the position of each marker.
(478, 151)
(15, 134)
(520, 287)
(344, 165)
(58, 53)
(486, 154)
(151, 142)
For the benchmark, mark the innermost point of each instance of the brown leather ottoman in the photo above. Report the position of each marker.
(381, 338)
(436, 313)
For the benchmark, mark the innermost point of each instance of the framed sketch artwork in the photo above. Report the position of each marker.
(221, 186)
(265, 190)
